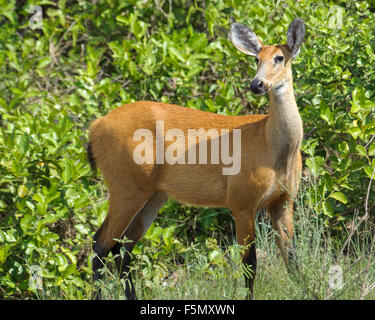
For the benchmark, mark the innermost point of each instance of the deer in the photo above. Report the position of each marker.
(269, 177)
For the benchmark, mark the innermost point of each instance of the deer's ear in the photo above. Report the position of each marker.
(294, 35)
(244, 39)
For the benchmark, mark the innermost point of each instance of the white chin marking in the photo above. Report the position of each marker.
(279, 88)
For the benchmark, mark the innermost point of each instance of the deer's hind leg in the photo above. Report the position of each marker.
(136, 229)
(124, 204)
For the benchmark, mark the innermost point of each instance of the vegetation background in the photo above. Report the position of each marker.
(90, 57)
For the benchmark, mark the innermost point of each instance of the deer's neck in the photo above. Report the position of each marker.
(284, 127)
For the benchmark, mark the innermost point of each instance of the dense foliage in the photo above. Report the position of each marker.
(93, 56)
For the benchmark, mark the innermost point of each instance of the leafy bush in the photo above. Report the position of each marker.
(91, 57)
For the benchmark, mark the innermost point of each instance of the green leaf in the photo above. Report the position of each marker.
(71, 257)
(176, 53)
(4, 253)
(23, 143)
(368, 170)
(25, 222)
(70, 269)
(327, 208)
(67, 175)
(340, 197)
(78, 282)
(354, 131)
(326, 113)
(62, 261)
(44, 62)
(371, 150)
(39, 198)
(315, 164)
(122, 19)
(22, 191)
(361, 150)
(82, 229)
(198, 41)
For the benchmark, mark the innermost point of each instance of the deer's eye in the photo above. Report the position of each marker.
(257, 60)
(279, 59)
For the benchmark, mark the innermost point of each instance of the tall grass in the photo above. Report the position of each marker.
(329, 266)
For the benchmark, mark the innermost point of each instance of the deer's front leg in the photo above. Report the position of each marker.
(245, 232)
(281, 212)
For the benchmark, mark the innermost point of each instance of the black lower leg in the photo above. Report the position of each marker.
(123, 267)
(97, 262)
(250, 263)
(292, 261)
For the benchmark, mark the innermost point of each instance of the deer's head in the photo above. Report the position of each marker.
(274, 61)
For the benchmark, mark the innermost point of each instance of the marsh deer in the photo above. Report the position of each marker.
(270, 159)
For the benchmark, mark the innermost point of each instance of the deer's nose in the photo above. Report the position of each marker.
(257, 86)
